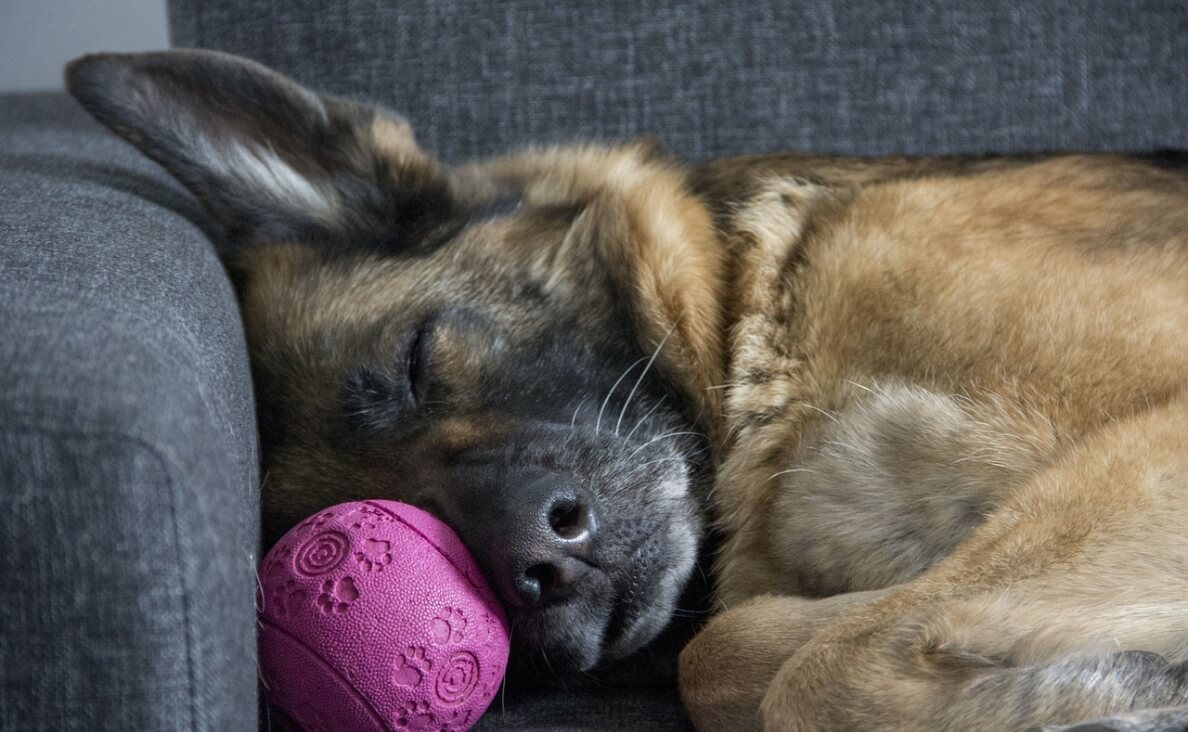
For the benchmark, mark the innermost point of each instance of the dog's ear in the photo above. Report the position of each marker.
(639, 226)
(271, 160)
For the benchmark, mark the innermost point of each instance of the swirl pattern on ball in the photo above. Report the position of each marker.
(457, 678)
(322, 553)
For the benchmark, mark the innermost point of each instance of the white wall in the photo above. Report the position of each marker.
(37, 37)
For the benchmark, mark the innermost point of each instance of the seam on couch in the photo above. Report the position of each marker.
(182, 339)
(167, 471)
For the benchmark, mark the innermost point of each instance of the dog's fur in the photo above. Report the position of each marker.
(944, 401)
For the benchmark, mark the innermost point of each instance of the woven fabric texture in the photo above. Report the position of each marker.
(714, 78)
(128, 469)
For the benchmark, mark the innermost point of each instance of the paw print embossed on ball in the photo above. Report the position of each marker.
(410, 667)
(415, 716)
(374, 555)
(366, 517)
(378, 617)
(288, 598)
(337, 597)
(448, 626)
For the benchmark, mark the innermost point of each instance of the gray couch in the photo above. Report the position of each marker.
(128, 455)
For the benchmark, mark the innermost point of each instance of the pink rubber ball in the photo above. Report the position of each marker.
(375, 617)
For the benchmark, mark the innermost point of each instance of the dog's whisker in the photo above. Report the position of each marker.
(641, 378)
(573, 419)
(867, 389)
(643, 418)
(663, 437)
(545, 655)
(609, 394)
(818, 409)
(662, 460)
(786, 472)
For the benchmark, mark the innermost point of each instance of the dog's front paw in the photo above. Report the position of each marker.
(726, 670)
(713, 671)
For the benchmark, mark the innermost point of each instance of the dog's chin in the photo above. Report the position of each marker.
(613, 619)
(647, 605)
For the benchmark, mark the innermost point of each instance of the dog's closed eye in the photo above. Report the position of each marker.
(417, 366)
(379, 400)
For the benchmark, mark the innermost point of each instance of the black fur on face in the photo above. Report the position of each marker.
(478, 362)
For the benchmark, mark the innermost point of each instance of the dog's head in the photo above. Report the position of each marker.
(522, 346)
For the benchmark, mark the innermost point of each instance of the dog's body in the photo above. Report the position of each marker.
(945, 400)
(960, 394)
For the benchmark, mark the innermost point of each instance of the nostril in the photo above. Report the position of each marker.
(555, 581)
(528, 587)
(541, 577)
(570, 519)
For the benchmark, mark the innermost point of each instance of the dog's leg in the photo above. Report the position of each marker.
(728, 667)
(1069, 603)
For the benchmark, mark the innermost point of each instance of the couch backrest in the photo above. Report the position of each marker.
(713, 78)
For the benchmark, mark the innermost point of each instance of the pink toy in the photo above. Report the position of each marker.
(375, 617)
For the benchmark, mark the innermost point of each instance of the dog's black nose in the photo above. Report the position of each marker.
(547, 546)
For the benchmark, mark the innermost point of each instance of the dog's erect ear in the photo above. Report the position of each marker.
(271, 160)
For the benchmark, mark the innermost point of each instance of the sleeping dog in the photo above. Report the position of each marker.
(935, 409)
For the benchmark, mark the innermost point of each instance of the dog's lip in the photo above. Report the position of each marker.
(648, 604)
(634, 604)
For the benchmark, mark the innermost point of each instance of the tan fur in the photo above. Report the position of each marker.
(1012, 339)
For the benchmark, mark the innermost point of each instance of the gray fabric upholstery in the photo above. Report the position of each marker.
(642, 710)
(713, 78)
(128, 470)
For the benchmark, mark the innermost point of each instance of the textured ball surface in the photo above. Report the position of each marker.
(375, 617)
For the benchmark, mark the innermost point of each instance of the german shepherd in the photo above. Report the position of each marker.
(936, 409)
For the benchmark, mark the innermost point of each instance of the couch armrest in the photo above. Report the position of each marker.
(128, 468)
